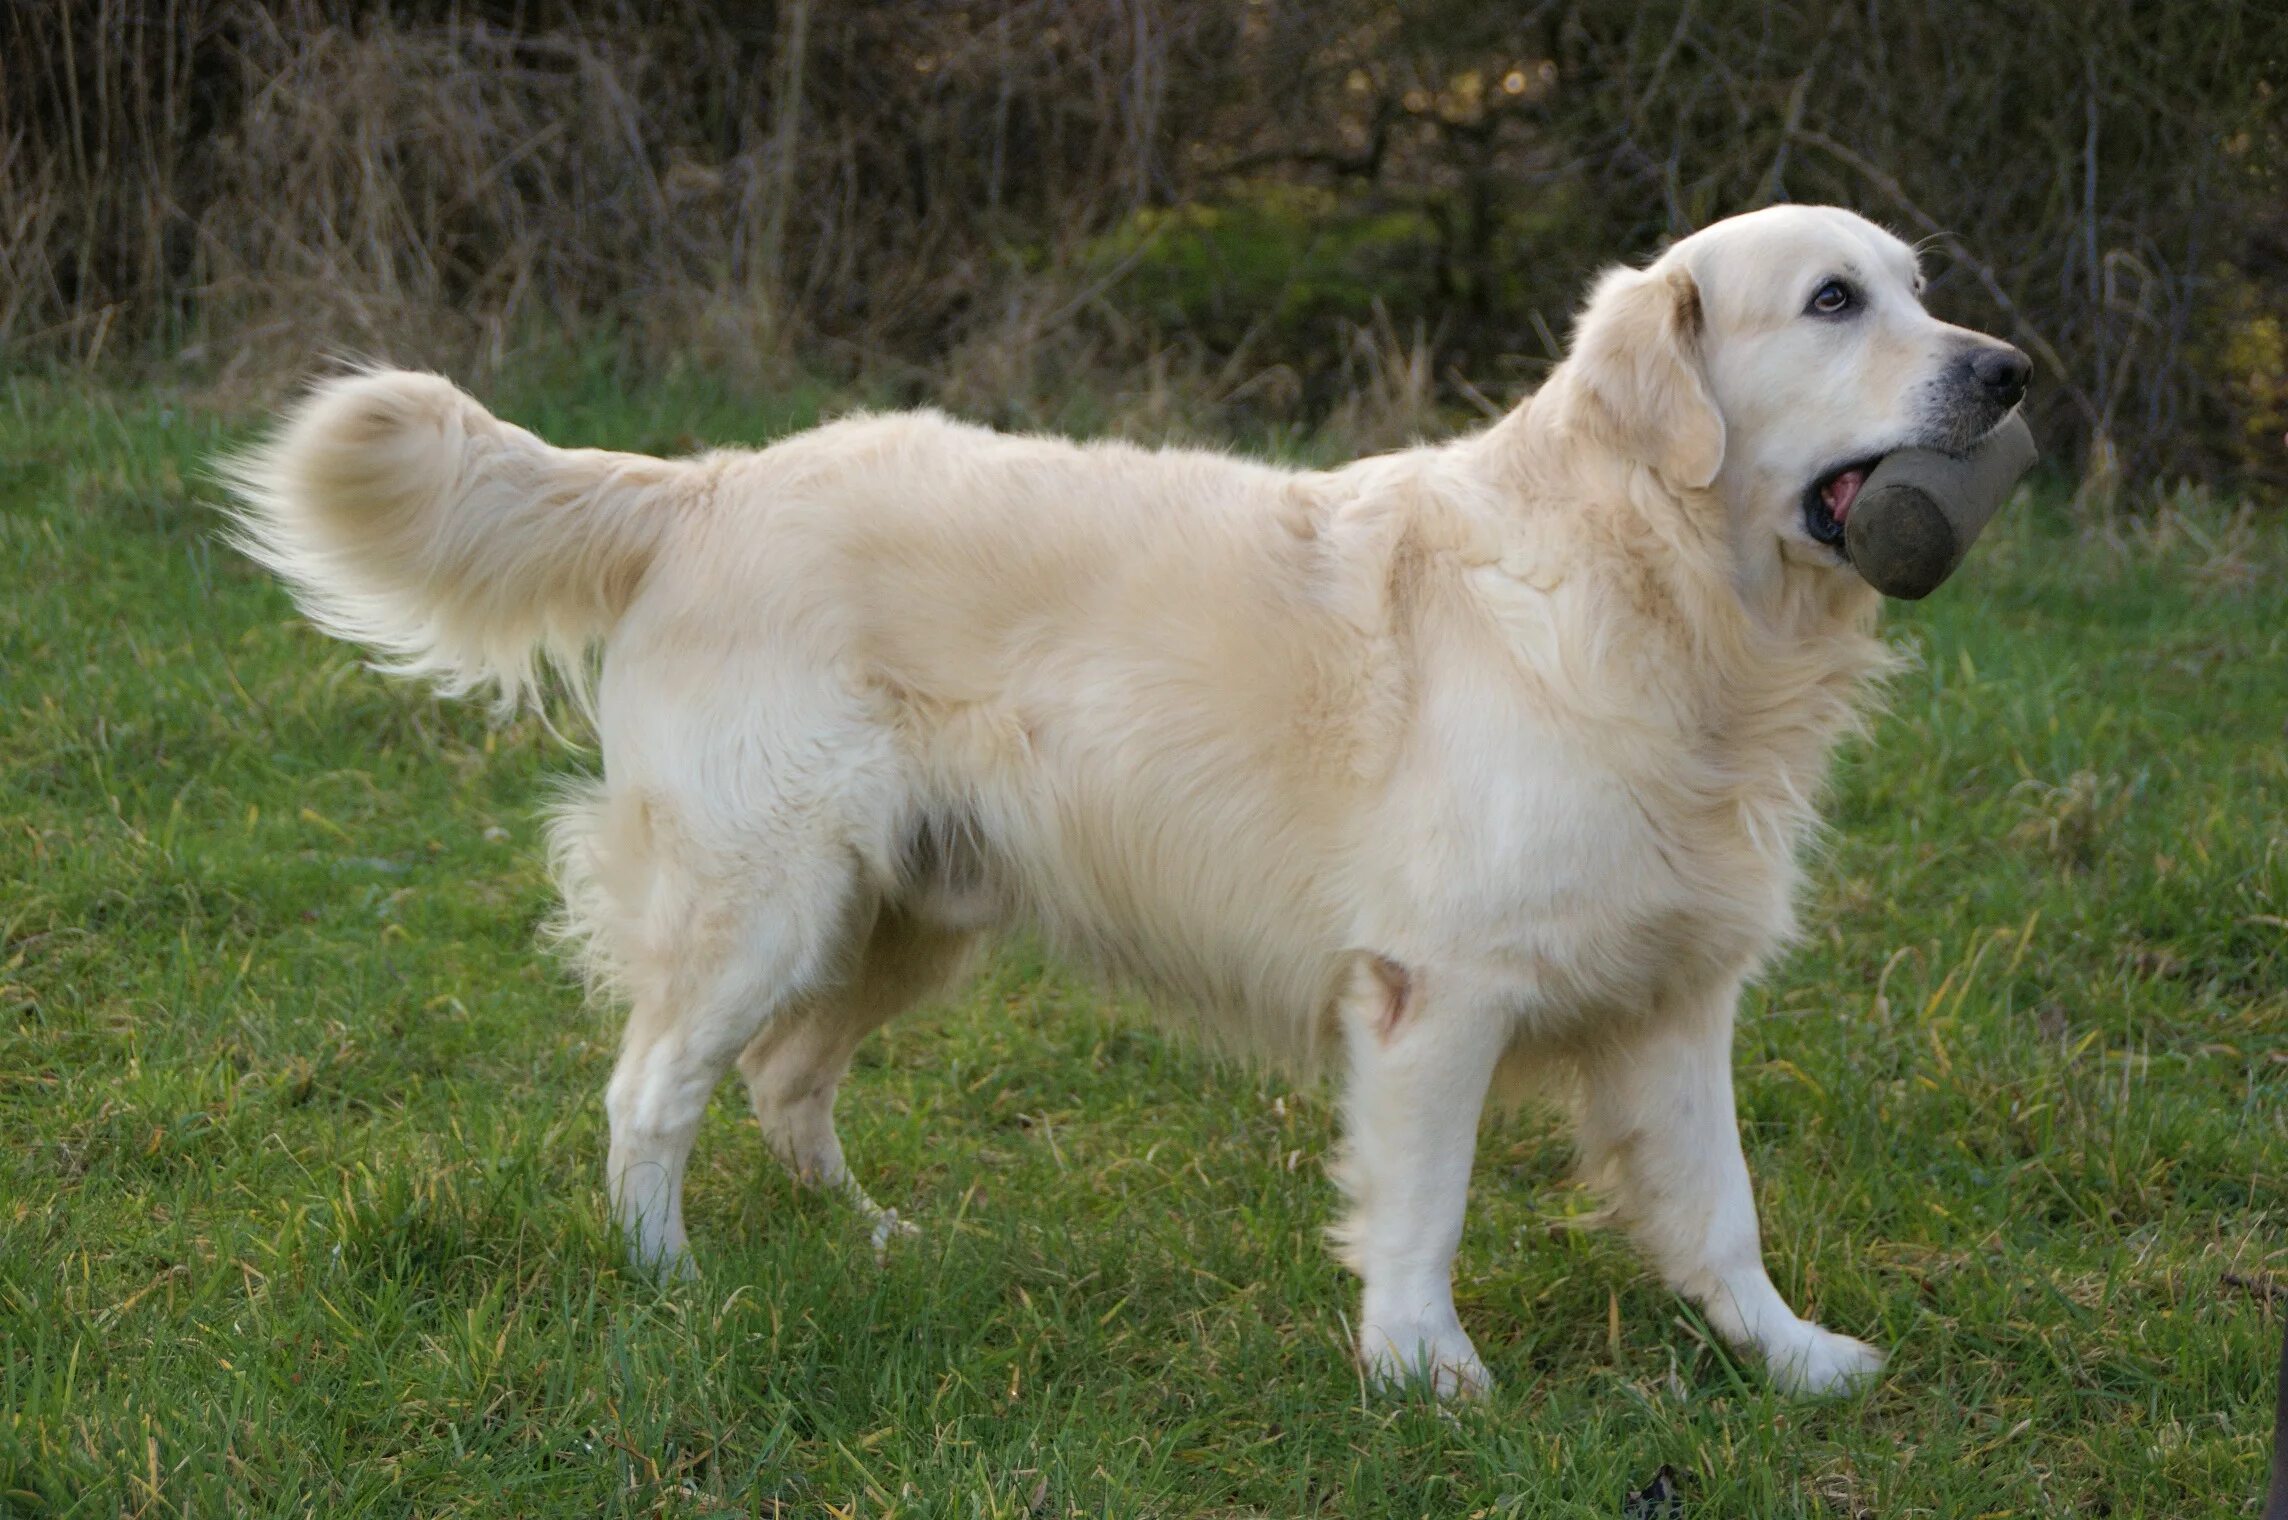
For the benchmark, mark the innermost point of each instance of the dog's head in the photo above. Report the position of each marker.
(1776, 357)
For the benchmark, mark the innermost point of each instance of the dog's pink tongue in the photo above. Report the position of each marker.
(1842, 491)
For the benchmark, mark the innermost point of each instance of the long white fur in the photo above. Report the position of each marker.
(1480, 762)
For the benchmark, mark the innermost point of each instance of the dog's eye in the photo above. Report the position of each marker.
(1832, 299)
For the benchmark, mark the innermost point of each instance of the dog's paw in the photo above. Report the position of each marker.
(664, 1267)
(888, 1227)
(1820, 1364)
(1441, 1360)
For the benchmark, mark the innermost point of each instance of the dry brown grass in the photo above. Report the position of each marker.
(241, 181)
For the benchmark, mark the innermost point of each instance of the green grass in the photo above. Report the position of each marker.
(301, 1131)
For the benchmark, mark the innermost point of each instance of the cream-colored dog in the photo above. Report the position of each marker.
(1456, 766)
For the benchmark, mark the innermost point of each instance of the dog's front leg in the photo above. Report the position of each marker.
(1419, 1068)
(1660, 1134)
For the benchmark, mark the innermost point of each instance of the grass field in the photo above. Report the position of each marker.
(301, 1132)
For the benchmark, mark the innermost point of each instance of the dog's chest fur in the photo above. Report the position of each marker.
(1626, 820)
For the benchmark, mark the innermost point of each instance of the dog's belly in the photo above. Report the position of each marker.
(1220, 932)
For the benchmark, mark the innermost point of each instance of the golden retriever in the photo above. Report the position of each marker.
(1472, 763)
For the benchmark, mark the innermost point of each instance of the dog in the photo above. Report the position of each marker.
(1460, 770)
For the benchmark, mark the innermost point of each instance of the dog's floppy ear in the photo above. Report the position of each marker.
(1636, 358)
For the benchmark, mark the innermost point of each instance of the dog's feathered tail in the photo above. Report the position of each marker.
(409, 519)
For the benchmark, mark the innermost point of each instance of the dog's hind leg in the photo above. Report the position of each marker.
(795, 1065)
(1659, 1133)
(726, 954)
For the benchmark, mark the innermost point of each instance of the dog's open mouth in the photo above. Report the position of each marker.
(1827, 501)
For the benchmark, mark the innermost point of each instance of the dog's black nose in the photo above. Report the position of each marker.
(2003, 371)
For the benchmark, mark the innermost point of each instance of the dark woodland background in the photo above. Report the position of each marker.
(1227, 215)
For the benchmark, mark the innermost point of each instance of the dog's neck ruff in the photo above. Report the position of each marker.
(1757, 676)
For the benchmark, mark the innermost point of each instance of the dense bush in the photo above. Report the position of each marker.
(1258, 197)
